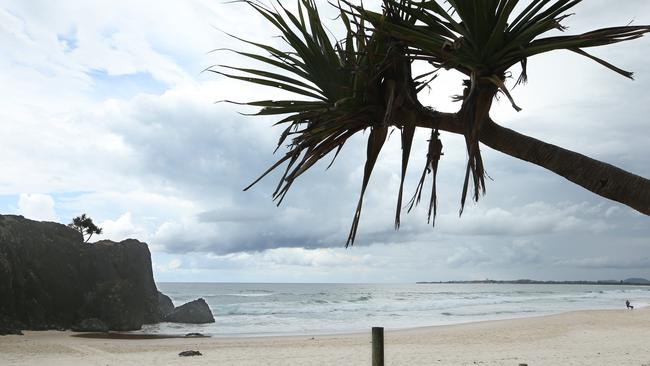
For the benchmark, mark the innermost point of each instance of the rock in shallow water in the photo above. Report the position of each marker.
(194, 312)
(195, 335)
(165, 304)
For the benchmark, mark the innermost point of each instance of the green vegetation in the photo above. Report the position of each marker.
(364, 81)
(85, 226)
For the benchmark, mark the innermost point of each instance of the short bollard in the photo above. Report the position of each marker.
(377, 346)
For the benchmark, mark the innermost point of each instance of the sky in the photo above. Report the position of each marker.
(105, 110)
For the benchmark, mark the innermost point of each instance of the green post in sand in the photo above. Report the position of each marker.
(377, 346)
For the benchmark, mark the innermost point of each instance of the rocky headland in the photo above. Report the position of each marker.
(51, 279)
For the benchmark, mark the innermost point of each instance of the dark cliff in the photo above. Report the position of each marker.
(50, 278)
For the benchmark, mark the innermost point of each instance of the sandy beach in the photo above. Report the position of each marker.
(603, 337)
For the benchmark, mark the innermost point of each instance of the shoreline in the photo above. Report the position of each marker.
(585, 337)
(353, 332)
(247, 310)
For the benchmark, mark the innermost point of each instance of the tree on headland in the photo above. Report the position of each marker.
(85, 226)
(365, 81)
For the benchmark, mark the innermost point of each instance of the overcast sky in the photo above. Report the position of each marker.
(104, 110)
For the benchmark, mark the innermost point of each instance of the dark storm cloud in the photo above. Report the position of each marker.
(208, 154)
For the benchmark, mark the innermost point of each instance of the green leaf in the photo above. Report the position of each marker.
(408, 132)
(376, 140)
(272, 83)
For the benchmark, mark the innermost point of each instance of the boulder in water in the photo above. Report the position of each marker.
(193, 312)
(165, 304)
(195, 335)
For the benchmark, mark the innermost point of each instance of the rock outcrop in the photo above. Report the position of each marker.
(165, 304)
(9, 326)
(193, 312)
(90, 325)
(51, 279)
(190, 353)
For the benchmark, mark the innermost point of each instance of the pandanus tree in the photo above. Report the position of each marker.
(364, 81)
(85, 225)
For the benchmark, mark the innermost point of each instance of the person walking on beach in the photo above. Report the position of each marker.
(627, 303)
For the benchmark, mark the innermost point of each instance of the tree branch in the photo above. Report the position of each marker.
(596, 176)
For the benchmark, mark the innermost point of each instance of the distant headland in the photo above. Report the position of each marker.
(629, 281)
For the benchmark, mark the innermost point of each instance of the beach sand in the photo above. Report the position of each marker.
(602, 337)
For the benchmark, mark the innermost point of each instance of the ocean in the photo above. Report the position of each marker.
(268, 309)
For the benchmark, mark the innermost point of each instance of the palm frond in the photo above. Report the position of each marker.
(364, 80)
(351, 85)
(483, 39)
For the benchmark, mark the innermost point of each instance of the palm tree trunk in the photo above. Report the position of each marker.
(596, 176)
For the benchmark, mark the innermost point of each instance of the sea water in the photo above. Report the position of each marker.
(261, 309)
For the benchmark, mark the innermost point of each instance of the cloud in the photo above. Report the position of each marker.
(468, 256)
(37, 206)
(170, 266)
(522, 252)
(197, 157)
(312, 258)
(107, 117)
(607, 262)
(120, 229)
(529, 219)
(518, 253)
(233, 214)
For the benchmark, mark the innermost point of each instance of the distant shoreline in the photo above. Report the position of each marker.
(536, 282)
